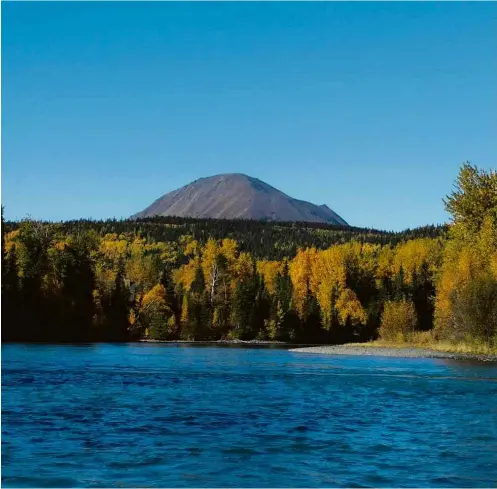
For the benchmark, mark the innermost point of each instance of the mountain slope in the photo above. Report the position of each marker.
(237, 196)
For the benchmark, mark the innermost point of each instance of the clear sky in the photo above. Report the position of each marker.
(369, 108)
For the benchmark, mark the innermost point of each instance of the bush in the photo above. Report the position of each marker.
(398, 321)
(474, 310)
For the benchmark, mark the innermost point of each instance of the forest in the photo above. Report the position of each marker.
(200, 279)
(263, 239)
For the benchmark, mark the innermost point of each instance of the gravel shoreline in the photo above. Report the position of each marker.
(377, 351)
(406, 352)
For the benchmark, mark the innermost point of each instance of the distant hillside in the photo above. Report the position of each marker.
(237, 196)
(265, 240)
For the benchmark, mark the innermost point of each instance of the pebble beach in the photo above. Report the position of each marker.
(407, 352)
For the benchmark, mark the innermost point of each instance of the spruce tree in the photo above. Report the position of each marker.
(117, 309)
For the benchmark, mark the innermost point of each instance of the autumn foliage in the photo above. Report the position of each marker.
(63, 283)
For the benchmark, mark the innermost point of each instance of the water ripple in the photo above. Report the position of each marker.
(157, 416)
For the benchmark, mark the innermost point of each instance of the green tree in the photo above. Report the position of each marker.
(475, 310)
(196, 325)
(117, 309)
(172, 301)
(283, 319)
(422, 293)
(399, 288)
(474, 197)
(243, 310)
(34, 240)
(77, 288)
(11, 299)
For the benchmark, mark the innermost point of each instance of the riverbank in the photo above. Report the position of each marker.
(382, 350)
(373, 348)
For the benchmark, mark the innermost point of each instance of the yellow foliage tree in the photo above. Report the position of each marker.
(466, 300)
(350, 310)
(300, 269)
(465, 261)
(398, 320)
(269, 271)
(328, 274)
(413, 254)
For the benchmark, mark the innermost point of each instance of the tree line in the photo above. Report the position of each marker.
(265, 240)
(121, 280)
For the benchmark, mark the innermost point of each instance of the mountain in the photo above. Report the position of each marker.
(237, 196)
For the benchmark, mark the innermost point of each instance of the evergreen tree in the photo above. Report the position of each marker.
(172, 301)
(399, 285)
(422, 295)
(243, 308)
(262, 306)
(283, 319)
(198, 284)
(311, 329)
(11, 300)
(196, 324)
(77, 290)
(117, 309)
(34, 240)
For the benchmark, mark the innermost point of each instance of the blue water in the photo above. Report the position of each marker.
(144, 415)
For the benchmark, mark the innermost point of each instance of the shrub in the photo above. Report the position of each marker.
(474, 310)
(398, 320)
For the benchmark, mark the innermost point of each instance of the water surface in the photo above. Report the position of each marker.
(155, 415)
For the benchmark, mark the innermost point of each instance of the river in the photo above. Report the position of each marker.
(158, 415)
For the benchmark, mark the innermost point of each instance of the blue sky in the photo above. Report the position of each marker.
(369, 108)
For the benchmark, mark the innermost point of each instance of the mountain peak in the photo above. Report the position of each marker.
(237, 196)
